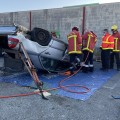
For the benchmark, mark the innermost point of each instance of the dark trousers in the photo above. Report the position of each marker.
(88, 57)
(116, 56)
(105, 58)
(73, 61)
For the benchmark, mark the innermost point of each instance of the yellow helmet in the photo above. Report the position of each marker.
(114, 27)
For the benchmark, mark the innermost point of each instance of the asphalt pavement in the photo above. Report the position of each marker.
(100, 106)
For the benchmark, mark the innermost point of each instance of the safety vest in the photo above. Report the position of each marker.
(89, 41)
(107, 42)
(116, 42)
(74, 43)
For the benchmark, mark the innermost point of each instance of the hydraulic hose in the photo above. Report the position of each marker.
(60, 86)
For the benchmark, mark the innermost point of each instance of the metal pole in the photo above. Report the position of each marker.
(30, 19)
(83, 21)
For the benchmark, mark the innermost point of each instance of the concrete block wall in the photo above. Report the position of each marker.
(102, 16)
(6, 18)
(22, 18)
(97, 17)
(61, 20)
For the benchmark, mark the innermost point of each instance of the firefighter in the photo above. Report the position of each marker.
(89, 41)
(106, 47)
(116, 49)
(74, 48)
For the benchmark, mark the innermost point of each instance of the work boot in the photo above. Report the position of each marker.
(118, 69)
(85, 69)
(106, 70)
(91, 69)
(102, 68)
(71, 73)
(111, 67)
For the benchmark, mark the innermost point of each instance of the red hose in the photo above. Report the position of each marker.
(60, 86)
(73, 85)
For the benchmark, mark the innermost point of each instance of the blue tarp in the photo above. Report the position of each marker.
(93, 81)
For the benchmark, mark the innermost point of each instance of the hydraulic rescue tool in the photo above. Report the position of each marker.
(31, 69)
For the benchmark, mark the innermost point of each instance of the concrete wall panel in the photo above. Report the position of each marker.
(6, 18)
(22, 18)
(98, 17)
(64, 19)
(39, 19)
(61, 20)
(102, 16)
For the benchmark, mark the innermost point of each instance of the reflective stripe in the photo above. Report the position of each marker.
(75, 36)
(88, 50)
(79, 52)
(89, 35)
(75, 40)
(107, 48)
(116, 50)
(91, 50)
(95, 39)
(115, 43)
(107, 38)
(80, 44)
(108, 42)
(75, 43)
(105, 43)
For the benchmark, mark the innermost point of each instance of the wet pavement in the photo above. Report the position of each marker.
(100, 106)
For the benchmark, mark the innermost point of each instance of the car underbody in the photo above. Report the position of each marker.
(46, 52)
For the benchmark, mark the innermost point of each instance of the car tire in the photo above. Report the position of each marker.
(41, 36)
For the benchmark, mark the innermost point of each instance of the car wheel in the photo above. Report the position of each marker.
(41, 36)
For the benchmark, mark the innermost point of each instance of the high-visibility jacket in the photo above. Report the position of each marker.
(89, 41)
(107, 42)
(74, 42)
(116, 42)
